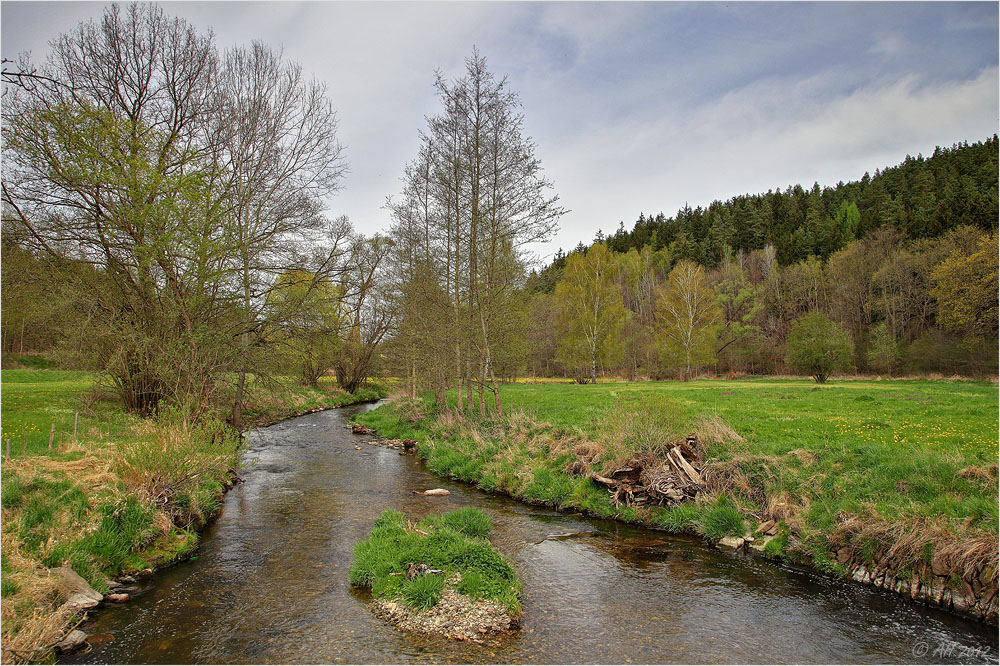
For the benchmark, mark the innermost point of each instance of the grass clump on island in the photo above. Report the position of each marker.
(896, 474)
(125, 495)
(419, 565)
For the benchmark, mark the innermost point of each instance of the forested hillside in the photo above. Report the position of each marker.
(922, 197)
(904, 262)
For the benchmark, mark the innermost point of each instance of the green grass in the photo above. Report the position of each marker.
(721, 520)
(455, 543)
(423, 592)
(858, 453)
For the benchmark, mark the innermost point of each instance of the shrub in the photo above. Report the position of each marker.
(817, 347)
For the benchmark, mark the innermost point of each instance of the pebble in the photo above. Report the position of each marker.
(455, 616)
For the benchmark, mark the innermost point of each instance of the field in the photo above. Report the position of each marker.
(126, 494)
(898, 474)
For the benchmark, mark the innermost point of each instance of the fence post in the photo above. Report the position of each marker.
(52, 435)
(76, 419)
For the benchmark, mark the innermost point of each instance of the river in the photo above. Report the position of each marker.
(269, 583)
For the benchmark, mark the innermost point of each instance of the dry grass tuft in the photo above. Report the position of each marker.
(966, 555)
(37, 634)
(32, 617)
(732, 477)
(712, 429)
(782, 506)
(587, 451)
(986, 474)
(804, 456)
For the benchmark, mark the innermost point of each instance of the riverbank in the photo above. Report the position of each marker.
(892, 483)
(115, 495)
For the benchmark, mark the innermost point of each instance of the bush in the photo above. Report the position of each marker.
(817, 347)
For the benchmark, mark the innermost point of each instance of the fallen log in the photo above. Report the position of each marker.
(685, 466)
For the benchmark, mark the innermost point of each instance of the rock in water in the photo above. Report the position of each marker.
(72, 642)
(731, 542)
(79, 594)
(117, 597)
(434, 492)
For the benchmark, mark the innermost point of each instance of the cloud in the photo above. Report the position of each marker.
(769, 134)
(634, 106)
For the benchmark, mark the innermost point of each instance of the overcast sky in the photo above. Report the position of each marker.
(634, 106)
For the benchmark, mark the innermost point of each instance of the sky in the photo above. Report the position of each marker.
(634, 107)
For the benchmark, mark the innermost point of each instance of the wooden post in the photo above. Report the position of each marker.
(76, 419)
(52, 435)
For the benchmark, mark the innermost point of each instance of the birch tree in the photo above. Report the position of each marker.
(591, 314)
(689, 316)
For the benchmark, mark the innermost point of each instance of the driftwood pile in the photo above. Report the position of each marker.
(647, 479)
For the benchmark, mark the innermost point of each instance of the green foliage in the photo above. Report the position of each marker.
(884, 353)
(423, 592)
(391, 548)
(688, 319)
(591, 313)
(818, 347)
(923, 196)
(848, 221)
(8, 588)
(721, 520)
(310, 310)
(966, 289)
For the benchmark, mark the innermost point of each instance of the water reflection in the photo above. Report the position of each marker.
(270, 582)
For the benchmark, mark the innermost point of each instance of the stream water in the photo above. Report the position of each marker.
(269, 583)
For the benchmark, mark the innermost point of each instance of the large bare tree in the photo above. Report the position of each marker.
(275, 137)
(191, 182)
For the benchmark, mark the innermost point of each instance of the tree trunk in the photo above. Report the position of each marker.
(237, 417)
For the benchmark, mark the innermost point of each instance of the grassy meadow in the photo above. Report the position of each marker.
(890, 472)
(126, 494)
